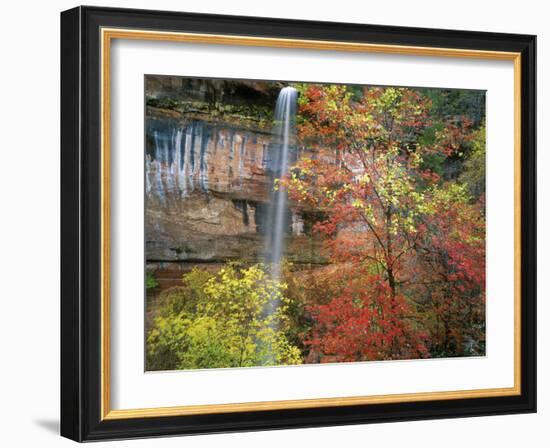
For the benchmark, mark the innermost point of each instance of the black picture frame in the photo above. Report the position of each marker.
(81, 224)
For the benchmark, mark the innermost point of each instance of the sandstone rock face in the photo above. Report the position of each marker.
(208, 185)
(187, 156)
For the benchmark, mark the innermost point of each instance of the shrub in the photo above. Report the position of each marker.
(234, 318)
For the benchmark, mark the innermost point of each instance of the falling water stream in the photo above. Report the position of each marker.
(280, 152)
(283, 137)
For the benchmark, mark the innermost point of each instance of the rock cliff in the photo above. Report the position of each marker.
(208, 182)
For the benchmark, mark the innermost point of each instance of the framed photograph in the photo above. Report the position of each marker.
(277, 224)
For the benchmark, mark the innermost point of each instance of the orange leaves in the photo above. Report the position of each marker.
(364, 322)
(414, 248)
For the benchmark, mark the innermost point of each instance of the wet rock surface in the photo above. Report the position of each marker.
(208, 186)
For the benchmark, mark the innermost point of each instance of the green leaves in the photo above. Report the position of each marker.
(150, 280)
(234, 318)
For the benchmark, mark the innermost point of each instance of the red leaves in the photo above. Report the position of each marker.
(414, 250)
(452, 260)
(365, 322)
(456, 234)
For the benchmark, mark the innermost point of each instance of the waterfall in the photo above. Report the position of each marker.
(283, 143)
(279, 157)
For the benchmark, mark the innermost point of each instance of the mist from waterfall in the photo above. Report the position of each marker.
(284, 134)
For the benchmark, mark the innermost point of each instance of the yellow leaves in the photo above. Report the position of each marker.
(450, 194)
(235, 323)
(415, 160)
(331, 105)
(364, 179)
(394, 225)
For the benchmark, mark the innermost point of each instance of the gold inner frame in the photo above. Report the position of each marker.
(107, 35)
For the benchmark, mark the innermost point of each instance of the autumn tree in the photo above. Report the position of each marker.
(363, 321)
(473, 174)
(369, 177)
(448, 274)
